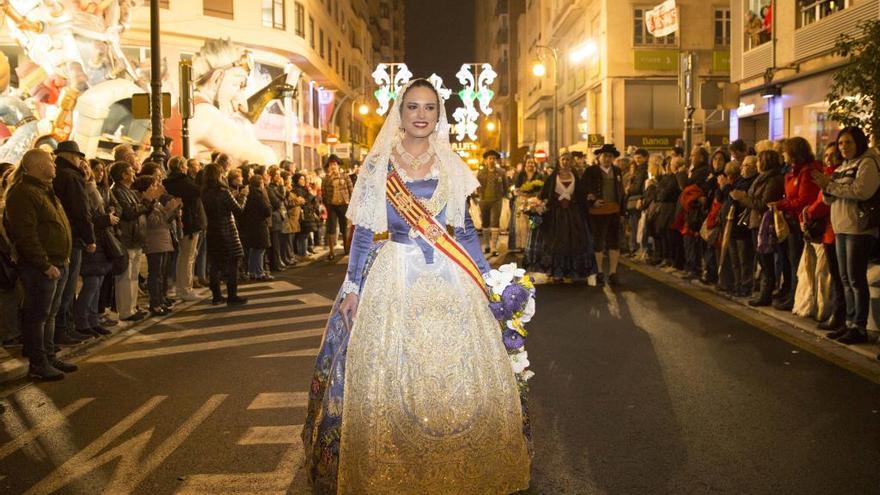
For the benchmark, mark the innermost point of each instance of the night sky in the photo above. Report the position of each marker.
(439, 37)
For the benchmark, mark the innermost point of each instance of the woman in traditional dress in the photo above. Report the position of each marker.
(529, 177)
(565, 247)
(413, 389)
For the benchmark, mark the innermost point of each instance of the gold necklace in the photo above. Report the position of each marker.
(414, 163)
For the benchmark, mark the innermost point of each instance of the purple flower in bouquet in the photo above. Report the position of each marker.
(514, 297)
(499, 312)
(512, 339)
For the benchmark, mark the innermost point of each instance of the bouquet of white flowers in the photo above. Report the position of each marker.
(512, 301)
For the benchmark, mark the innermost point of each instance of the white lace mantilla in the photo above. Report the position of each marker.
(368, 205)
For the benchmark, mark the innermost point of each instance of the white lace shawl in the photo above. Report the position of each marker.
(368, 205)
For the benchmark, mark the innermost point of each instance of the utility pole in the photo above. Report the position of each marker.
(157, 138)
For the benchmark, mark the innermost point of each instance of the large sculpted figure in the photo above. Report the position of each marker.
(220, 73)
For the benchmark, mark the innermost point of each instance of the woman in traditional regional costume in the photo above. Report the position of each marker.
(413, 390)
(564, 246)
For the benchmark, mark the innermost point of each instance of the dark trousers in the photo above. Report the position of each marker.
(64, 318)
(85, 310)
(768, 268)
(275, 251)
(794, 247)
(838, 300)
(852, 261)
(675, 245)
(693, 253)
(741, 253)
(301, 243)
(42, 298)
(224, 268)
(157, 280)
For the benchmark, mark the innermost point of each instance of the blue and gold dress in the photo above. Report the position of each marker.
(419, 396)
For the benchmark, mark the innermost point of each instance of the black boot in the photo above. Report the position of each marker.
(764, 296)
(854, 336)
(832, 324)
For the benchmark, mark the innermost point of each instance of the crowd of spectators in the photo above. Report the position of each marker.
(81, 239)
(774, 224)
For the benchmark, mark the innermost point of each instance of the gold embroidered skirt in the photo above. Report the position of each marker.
(431, 403)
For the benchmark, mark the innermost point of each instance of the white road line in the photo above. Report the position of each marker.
(277, 482)
(306, 301)
(270, 435)
(232, 327)
(279, 400)
(207, 346)
(85, 461)
(51, 422)
(299, 353)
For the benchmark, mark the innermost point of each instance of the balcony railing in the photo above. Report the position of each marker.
(501, 7)
(819, 37)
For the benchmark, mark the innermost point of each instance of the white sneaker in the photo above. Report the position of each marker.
(192, 296)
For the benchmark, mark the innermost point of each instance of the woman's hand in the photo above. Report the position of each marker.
(737, 194)
(348, 309)
(820, 179)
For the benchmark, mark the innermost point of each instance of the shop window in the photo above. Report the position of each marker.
(218, 8)
(758, 22)
(810, 11)
(641, 36)
(273, 14)
(311, 32)
(722, 27)
(321, 42)
(300, 20)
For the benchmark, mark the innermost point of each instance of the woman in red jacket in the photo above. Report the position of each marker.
(800, 192)
(818, 215)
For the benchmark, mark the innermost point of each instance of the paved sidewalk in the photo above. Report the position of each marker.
(13, 367)
(800, 331)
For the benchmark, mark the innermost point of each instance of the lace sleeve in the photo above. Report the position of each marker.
(360, 247)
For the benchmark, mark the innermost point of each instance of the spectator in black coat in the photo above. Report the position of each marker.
(224, 247)
(256, 223)
(69, 185)
(179, 184)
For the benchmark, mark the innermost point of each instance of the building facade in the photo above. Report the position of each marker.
(610, 79)
(330, 41)
(783, 62)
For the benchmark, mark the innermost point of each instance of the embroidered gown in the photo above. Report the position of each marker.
(419, 397)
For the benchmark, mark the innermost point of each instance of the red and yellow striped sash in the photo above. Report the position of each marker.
(420, 219)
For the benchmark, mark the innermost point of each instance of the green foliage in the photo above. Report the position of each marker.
(855, 93)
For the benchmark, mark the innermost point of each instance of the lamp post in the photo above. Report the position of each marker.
(157, 137)
(540, 70)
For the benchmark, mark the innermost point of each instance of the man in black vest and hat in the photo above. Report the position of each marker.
(604, 185)
(493, 186)
(70, 188)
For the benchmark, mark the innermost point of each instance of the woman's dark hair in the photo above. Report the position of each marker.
(421, 83)
(144, 182)
(295, 179)
(858, 136)
(704, 155)
(150, 168)
(770, 160)
(213, 172)
(798, 150)
(255, 182)
(723, 154)
(94, 163)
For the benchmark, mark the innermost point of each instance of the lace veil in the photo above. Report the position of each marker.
(368, 206)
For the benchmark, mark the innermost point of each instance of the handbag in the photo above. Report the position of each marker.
(780, 224)
(814, 229)
(709, 235)
(868, 212)
(115, 252)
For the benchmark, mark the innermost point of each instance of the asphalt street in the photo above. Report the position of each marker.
(637, 390)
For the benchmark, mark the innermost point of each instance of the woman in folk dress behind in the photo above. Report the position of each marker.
(413, 389)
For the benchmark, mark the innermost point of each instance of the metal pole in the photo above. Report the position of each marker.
(689, 104)
(185, 104)
(157, 139)
(555, 143)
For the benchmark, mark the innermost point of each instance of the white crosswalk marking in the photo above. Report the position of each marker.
(207, 346)
(52, 421)
(298, 353)
(232, 327)
(278, 400)
(268, 435)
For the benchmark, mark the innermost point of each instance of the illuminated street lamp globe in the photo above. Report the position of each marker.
(364, 109)
(490, 126)
(539, 69)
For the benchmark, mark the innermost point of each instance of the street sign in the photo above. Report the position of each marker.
(332, 139)
(541, 156)
(721, 61)
(140, 105)
(595, 140)
(655, 59)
